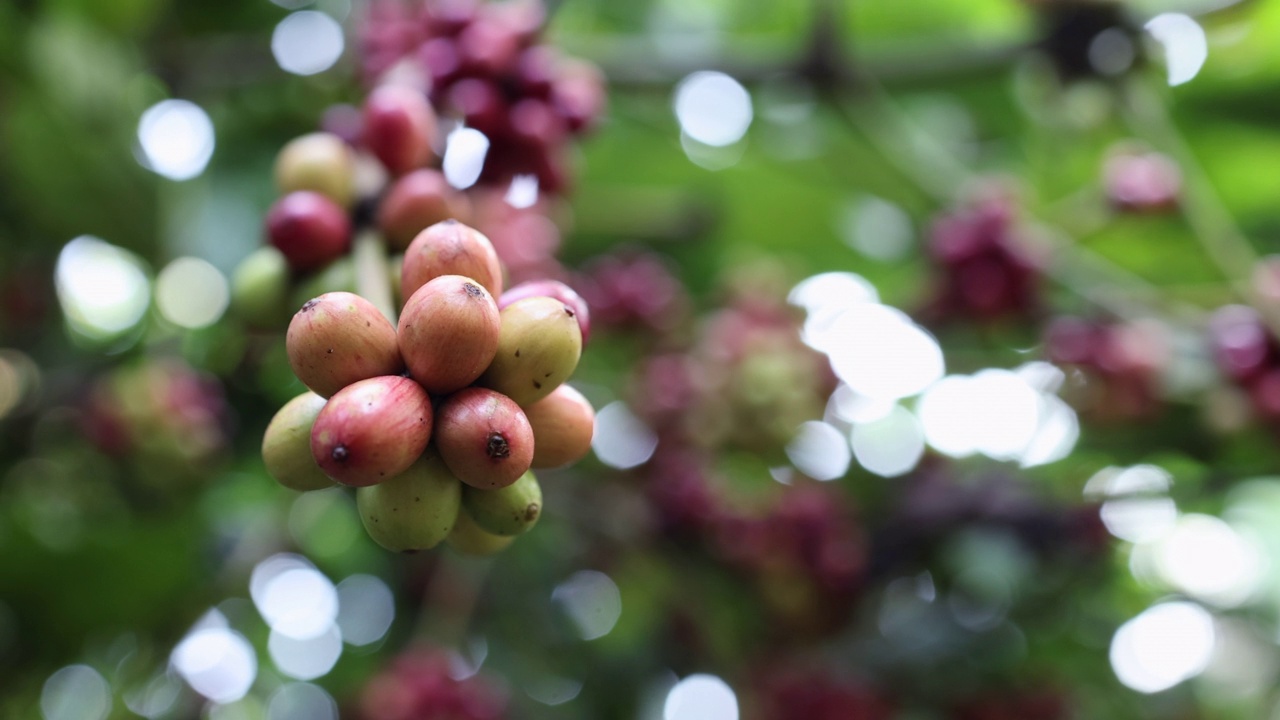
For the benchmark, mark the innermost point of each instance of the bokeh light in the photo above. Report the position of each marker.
(592, 601)
(217, 662)
(712, 108)
(191, 293)
(622, 440)
(1163, 646)
(879, 352)
(306, 659)
(301, 701)
(464, 154)
(300, 603)
(701, 697)
(1185, 45)
(553, 689)
(820, 451)
(522, 192)
(366, 609)
(1209, 560)
(307, 42)
(877, 228)
(891, 445)
(76, 692)
(1002, 414)
(104, 290)
(176, 139)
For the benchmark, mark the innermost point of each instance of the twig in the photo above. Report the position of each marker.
(1210, 220)
(450, 600)
(373, 274)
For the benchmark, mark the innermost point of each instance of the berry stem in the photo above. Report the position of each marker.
(372, 279)
(1213, 225)
(450, 600)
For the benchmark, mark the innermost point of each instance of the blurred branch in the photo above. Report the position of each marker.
(630, 61)
(373, 273)
(1211, 222)
(450, 600)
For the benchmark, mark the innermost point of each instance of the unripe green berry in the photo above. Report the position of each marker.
(507, 511)
(286, 445)
(539, 345)
(414, 510)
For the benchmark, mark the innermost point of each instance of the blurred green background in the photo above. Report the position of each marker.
(1117, 558)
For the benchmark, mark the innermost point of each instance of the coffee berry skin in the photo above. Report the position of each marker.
(372, 430)
(260, 289)
(553, 289)
(399, 127)
(415, 202)
(562, 423)
(507, 511)
(320, 162)
(286, 445)
(414, 510)
(484, 438)
(451, 248)
(468, 538)
(339, 338)
(538, 349)
(448, 333)
(309, 229)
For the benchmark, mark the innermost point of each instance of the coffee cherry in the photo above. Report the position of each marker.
(309, 229)
(320, 162)
(1241, 343)
(563, 423)
(451, 248)
(286, 446)
(536, 71)
(448, 333)
(538, 348)
(480, 103)
(487, 47)
(414, 510)
(372, 430)
(339, 338)
(259, 287)
(579, 94)
(468, 538)
(507, 511)
(337, 276)
(415, 202)
(484, 438)
(399, 127)
(552, 289)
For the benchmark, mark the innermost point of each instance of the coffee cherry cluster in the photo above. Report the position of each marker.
(984, 271)
(789, 687)
(1249, 355)
(804, 552)
(748, 381)
(419, 685)
(330, 190)
(167, 420)
(1142, 182)
(634, 290)
(1120, 364)
(483, 65)
(437, 420)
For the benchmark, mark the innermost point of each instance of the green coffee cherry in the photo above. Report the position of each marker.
(286, 446)
(260, 288)
(539, 344)
(468, 538)
(507, 511)
(414, 510)
(337, 276)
